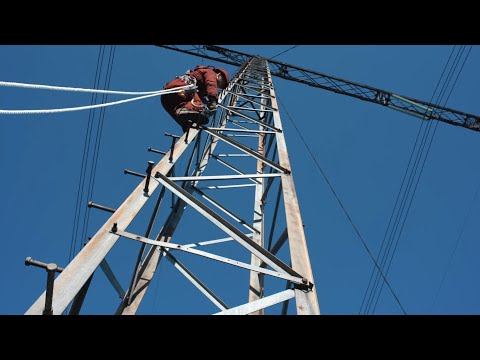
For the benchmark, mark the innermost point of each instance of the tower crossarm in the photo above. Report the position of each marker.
(418, 108)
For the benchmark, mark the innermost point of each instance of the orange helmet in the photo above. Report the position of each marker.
(224, 74)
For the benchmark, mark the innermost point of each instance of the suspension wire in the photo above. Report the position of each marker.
(428, 150)
(393, 238)
(98, 139)
(372, 299)
(283, 52)
(83, 167)
(84, 157)
(342, 207)
(454, 251)
(370, 292)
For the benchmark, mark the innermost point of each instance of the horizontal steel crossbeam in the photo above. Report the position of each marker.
(371, 94)
(171, 246)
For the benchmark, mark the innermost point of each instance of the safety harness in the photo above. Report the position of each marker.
(190, 80)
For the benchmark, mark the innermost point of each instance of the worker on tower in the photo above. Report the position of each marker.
(187, 107)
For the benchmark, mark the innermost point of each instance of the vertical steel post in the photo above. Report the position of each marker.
(306, 301)
(51, 268)
(256, 289)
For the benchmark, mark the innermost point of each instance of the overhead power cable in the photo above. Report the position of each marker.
(98, 140)
(83, 167)
(283, 52)
(410, 175)
(434, 124)
(386, 255)
(343, 208)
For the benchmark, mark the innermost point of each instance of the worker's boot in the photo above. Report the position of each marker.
(196, 117)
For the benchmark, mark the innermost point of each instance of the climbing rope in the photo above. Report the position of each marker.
(63, 88)
(50, 111)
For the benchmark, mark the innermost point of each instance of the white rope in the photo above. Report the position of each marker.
(63, 88)
(50, 111)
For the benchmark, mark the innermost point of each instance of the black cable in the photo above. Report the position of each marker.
(98, 139)
(386, 242)
(457, 242)
(394, 239)
(408, 188)
(84, 158)
(372, 275)
(86, 177)
(83, 167)
(439, 101)
(283, 52)
(461, 69)
(399, 216)
(342, 206)
(421, 153)
(431, 141)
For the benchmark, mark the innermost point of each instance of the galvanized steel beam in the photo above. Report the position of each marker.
(306, 301)
(71, 280)
(259, 304)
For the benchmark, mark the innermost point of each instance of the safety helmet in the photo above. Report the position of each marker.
(224, 74)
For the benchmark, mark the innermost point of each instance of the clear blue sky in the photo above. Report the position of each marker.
(363, 148)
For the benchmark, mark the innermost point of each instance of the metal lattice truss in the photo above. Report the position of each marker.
(408, 105)
(246, 144)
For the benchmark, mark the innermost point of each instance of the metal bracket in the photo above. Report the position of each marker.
(101, 207)
(129, 172)
(304, 286)
(51, 270)
(157, 151)
(172, 147)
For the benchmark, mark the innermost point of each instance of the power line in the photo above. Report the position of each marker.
(369, 292)
(98, 139)
(444, 88)
(283, 52)
(84, 159)
(343, 207)
(461, 69)
(454, 251)
(83, 167)
(449, 78)
(407, 191)
(394, 238)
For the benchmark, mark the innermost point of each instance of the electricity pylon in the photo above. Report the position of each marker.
(245, 143)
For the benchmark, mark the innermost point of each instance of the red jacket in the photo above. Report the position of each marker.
(206, 81)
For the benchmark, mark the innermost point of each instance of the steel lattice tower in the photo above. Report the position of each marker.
(245, 143)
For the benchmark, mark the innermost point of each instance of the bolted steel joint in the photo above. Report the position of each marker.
(305, 285)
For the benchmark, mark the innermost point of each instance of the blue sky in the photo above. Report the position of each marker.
(363, 148)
